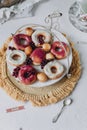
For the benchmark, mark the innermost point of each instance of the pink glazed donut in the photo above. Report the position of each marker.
(21, 41)
(27, 74)
(60, 50)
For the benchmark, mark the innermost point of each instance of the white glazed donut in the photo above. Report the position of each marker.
(46, 36)
(54, 69)
(16, 57)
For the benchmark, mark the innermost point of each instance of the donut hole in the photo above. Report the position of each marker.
(41, 38)
(59, 49)
(16, 57)
(53, 69)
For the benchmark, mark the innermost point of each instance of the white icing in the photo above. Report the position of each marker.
(59, 69)
(19, 61)
(46, 34)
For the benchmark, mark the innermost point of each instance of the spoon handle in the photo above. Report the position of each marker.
(58, 115)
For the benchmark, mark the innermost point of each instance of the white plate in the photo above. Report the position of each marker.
(63, 61)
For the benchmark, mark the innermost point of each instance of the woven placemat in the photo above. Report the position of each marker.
(44, 95)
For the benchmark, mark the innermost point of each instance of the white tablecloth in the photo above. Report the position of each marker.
(34, 118)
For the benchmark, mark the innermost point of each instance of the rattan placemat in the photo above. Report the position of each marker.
(44, 95)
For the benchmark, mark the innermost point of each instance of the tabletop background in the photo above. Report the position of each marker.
(34, 118)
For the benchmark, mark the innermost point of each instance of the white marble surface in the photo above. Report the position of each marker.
(34, 118)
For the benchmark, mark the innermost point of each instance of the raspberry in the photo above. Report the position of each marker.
(12, 48)
(28, 61)
(43, 63)
(41, 39)
(29, 73)
(33, 45)
(15, 72)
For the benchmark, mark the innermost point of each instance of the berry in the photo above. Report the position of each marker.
(43, 63)
(28, 61)
(15, 72)
(29, 73)
(41, 39)
(12, 48)
(33, 46)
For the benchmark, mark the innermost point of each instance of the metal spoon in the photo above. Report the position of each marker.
(66, 102)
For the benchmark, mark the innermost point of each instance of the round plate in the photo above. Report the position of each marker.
(66, 62)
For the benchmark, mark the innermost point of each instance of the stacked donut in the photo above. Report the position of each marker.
(36, 47)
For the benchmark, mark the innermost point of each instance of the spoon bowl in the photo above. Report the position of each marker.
(66, 102)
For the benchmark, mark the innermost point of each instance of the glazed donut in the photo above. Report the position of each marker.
(58, 50)
(27, 74)
(41, 36)
(37, 56)
(21, 41)
(54, 69)
(16, 57)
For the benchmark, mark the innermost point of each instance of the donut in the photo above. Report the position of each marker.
(54, 69)
(58, 50)
(41, 36)
(16, 57)
(27, 75)
(37, 56)
(46, 47)
(29, 31)
(49, 56)
(42, 77)
(28, 50)
(21, 41)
